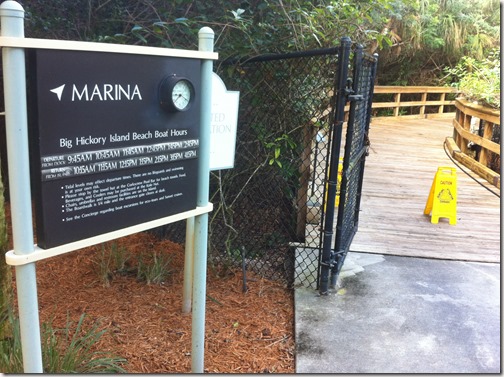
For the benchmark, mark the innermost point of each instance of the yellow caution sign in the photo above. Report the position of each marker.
(442, 200)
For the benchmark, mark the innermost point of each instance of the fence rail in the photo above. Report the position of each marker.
(414, 101)
(476, 139)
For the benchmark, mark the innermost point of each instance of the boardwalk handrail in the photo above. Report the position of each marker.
(424, 107)
(478, 151)
(426, 93)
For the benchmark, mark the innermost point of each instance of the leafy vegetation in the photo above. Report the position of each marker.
(68, 350)
(150, 267)
(73, 350)
(416, 39)
(478, 80)
(155, 270)
(430, 35)
(111, 260)
(6, 292)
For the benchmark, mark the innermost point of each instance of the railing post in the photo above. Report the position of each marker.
(487, 135)
(424, 99)
(397, 99)
(466, 125)
(441, 107)
(458, 118)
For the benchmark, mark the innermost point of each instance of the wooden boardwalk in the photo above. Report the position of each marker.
(403, 159)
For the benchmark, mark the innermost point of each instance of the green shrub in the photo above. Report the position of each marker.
(478, 80)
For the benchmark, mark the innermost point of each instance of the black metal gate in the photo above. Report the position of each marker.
(358, 90)
(274, 212)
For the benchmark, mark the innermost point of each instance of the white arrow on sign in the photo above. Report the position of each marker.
(58, 91)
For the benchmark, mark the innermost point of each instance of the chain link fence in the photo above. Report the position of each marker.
(276, 188)
(270, 203)
(269, 209)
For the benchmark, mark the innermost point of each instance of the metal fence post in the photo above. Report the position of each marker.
(341, 99)
(12, 25)
(206, 42)
(339, 250)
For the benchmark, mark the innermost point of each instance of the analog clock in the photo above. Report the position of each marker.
(176, 93)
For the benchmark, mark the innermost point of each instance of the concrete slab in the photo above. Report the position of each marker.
(402, 315)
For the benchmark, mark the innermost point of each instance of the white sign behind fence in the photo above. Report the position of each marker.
(223, 125)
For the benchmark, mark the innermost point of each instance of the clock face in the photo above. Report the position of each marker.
(182, 95)
(176, 94)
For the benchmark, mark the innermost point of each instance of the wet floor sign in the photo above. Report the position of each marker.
(442, 200)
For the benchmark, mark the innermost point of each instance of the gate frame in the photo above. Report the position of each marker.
(347, 90)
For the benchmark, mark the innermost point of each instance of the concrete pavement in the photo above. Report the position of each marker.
(402, 315)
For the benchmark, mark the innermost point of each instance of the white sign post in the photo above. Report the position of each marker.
(206, 44)
(223, 128)
(16, 121)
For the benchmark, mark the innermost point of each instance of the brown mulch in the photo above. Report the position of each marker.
(248, 332)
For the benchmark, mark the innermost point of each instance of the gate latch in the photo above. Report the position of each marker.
(355, 97)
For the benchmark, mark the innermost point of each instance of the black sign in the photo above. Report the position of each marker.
(104, 154)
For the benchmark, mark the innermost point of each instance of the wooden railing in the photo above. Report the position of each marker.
(420, 103)
(475, 148)
(421, 106)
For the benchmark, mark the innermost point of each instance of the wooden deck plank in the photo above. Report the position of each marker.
(403, 159)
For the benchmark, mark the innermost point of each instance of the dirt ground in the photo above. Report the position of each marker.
(248, 332)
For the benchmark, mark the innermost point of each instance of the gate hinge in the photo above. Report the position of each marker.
(332, 261)
(330, 264)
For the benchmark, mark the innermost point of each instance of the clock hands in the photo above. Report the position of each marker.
(176, 94)
(179, 96)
